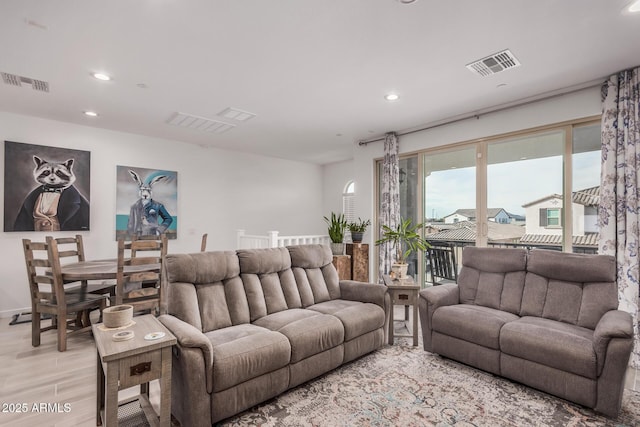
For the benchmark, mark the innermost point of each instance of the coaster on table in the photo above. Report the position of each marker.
(154, 336)
(123, 336)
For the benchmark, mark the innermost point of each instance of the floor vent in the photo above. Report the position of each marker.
(199, 123)
(15, 80)
(495, 63)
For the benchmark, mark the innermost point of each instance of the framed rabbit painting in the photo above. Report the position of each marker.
(146, 202)
(46, 188)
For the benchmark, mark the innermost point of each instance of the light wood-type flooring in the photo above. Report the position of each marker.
(59, 389)
(54, 389)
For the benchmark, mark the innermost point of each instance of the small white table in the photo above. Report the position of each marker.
(124, 364)
(403, 292)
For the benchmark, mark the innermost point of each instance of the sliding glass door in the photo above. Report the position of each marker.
(532, 189)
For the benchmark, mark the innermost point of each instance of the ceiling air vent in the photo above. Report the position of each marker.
(15, 80)
(495, 63)
(199, 123)
(235, 114)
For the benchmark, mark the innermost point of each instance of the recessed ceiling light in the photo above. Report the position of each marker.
(102, 76)
(391, 97)
(407, 1)
(634, 7)
(91, 113)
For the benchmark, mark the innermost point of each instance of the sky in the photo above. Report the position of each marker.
(509, 185)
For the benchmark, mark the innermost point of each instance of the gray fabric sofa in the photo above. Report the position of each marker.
(253, 323)
(543, 318)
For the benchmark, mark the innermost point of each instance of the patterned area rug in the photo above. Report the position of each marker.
(402, 385)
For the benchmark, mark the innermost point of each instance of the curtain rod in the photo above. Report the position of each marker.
(477, 115)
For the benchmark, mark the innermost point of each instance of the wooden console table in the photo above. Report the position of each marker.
(124, 364)
(342, 263)
(359, 261)
(403, 292)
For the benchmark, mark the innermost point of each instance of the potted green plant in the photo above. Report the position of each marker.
(357, 229)
(405, 239)
(337, 226)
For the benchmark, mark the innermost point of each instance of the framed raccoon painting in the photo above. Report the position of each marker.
(46, 188)
(146, 202)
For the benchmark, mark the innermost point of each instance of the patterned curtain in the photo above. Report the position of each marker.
(390, 199)
(619, 210)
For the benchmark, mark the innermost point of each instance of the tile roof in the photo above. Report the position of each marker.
(589, 239)
(587, 197)
(465, 231)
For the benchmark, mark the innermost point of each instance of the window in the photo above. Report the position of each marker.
(348, 206)
(535, 188)
(585, 186)
(550, 217)
(348, 201)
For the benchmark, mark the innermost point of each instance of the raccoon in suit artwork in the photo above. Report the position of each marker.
(55, 204)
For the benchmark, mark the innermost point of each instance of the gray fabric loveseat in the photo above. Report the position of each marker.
(253, 323)
(542, 318)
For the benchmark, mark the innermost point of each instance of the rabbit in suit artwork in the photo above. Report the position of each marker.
(148, 216)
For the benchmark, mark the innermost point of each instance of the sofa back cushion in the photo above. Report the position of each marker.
(315, 274)
(493, 277)
(571, 288)
(205, 290)
(268, 281)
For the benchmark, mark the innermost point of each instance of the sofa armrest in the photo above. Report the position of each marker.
(429, 301)
(189, 336)
(614, 324)
(364, 292)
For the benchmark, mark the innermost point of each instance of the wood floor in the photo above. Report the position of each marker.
(59, 389)
(56, 389)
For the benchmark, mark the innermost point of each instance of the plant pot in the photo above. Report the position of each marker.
(337, 248)
(399, 270)
(356, 236)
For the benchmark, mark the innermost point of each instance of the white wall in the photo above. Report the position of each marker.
(335, 178)
(584, 103)
(218, 192)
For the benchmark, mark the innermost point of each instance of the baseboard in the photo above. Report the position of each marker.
(7, 314)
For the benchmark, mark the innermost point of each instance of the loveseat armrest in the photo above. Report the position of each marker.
(614, 324)
(189, 336)
(364, 292)
(429, 301)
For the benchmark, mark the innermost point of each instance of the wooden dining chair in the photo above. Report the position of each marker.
(69, 310)
(139, 273)
(71, 249)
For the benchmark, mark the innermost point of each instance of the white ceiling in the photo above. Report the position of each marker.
(315, 72)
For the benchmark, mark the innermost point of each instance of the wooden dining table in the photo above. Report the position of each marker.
(101, 269)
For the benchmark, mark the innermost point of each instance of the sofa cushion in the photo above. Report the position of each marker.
(261, 261)
(492, 277)
(473, 323)
(555, 344)
(205, 289)
(268, 281)
(244, 352)
(571, 288)
(357, 318)
(222, 304)
(315, 275)
(202, 267)
(309, 332)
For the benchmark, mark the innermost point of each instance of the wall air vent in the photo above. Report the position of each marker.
(495, 63)
(199, 123)
(15, 80)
